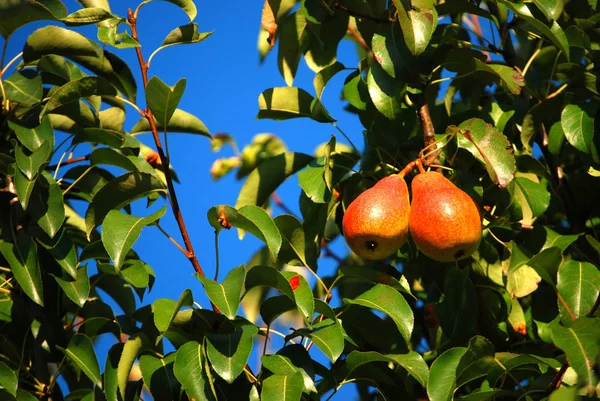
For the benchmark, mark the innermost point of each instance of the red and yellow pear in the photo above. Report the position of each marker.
(444, 222)
(375, 224)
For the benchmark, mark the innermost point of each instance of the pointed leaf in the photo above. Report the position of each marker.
(580, 344)
(327, 335)
(578, 287)
(182, 35)
(417, 22)
(295, 245)
(86, 16)
(385, 92)
(120, 192)
(487, 144)
(227, 294)
(163, 99)
(229, 353)
(303, 294)
(8, 379)
(282, 388)
(131, 350)
(24, 87)
(120, 231)
(159, 377)
(77, 290)
(187, 6)
(81, 88)
(578, 125)
(14, 14)
(287, 102)
(165, 310)
(73, 45)
(24, 263)
(189, 369)
(181, 121)
(267, 177)
(389, 301)
(412, 362)
(110, 375)
(81, 351)
(47, 205)
(322, 77)
(33, 138)
(24, 188)
(249, 218)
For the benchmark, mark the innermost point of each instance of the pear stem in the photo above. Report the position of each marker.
(419, 165)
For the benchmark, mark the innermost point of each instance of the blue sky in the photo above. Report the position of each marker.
(224, 80)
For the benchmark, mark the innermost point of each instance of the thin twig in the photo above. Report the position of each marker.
(162, 230)
(69, 161)
(362, 15)
(428, 130)
(163, 158)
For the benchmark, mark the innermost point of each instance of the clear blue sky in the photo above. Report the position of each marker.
(224, 79)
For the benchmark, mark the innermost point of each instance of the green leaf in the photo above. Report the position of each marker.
(578, 125)
(312, 180)
(190, 369)
(63, 251)
(418, 21)
(227, 294)
(229, 353)
(289, 360)
(533, 196)
(110, 157)
(47, 206)
(551, 8)
(412, 362)
(391, 52)
(108, 32)
(32, 164)
(389, 301)
(183, 34)
(81, 88)
(303, 295)
(272, 308)
(165, 309)
(356, 91)
(24, 87)
(295, 245)
(159, 377)
(282, 388)
(81, 351)
(8, 379)
(287, 102)
(33, 138)
(580, 344)
(385, 92)
(271, 173)
(131, 350)
(187, 6)
(249, 218)
(554, 32)
(327, 335)
(164, 99)
(181, 121)
(578, 287)
(23, 260)
(292, 37)
(70, 44)
(24, 188)
(77, 290)
(377, 277)
(120, 231)
(322, 77)
(87, 16)
(119, 192)
(268, 276)
(117, 288)
(503, 75)
(111, 380)
(492, 148)
(458, 310)
(15, 14)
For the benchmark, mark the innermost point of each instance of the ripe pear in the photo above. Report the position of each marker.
(375, 224)
(444, 222)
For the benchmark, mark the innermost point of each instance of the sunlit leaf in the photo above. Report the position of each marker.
(81, 351)
(181, 121)
(229, 353)
(189, 369)
(77, 290)
(227, 294)
(578, 286)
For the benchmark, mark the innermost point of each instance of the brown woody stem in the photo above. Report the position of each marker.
(428, 130)
(163, 158)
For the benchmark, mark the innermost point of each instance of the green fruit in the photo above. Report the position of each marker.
(376, 223)
(445, 223)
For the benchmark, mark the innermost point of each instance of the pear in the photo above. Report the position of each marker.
(375, 224)
(444, 222)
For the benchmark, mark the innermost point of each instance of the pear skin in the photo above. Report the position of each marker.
(375, 224)
(445, 222)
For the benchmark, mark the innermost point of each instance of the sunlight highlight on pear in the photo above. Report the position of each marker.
(376, 223)
(445, 223)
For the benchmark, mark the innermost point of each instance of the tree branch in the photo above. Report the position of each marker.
(362, 15)
(428, 130)
(163, 158)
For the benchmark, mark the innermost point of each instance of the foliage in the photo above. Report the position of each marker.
(510, 112)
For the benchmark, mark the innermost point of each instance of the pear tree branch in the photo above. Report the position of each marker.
(189, 250)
